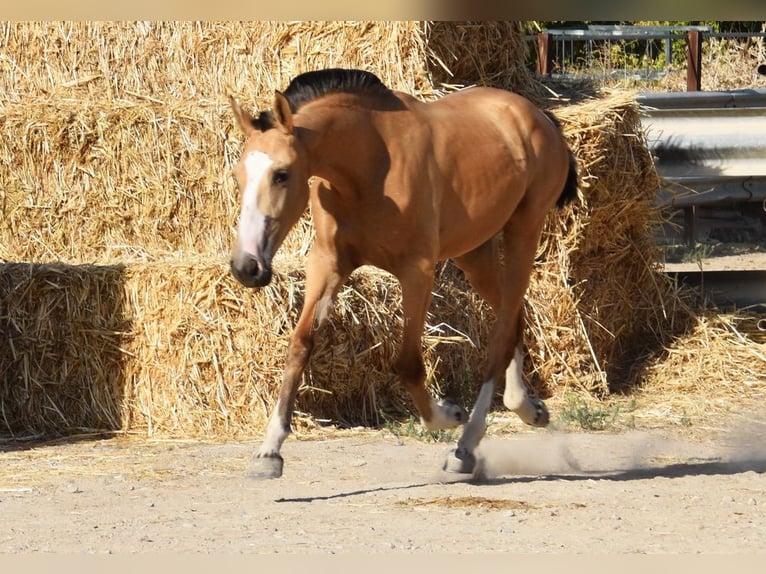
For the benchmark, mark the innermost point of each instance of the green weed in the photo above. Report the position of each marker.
(412, 428)
(593, 417)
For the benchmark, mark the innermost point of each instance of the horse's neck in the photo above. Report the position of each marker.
(343, 148)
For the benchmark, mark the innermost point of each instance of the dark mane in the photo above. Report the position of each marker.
(311, 85)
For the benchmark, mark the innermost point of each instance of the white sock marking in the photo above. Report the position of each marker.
(440, 419)
(515, 393)
(275, 434)
(477, 422)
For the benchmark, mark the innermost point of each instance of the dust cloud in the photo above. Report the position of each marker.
(623, 456)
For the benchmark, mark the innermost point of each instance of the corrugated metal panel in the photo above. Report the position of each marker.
(707, 133)
(755, 98)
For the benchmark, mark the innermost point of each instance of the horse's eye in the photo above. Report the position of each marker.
(280, 177)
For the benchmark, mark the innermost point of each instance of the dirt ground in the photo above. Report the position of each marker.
(541, 491)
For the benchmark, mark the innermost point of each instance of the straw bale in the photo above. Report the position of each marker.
(482, 53)
(599, 263)
(198, 61)
(598, 303)
(104, 180)
(61, 357)
(178, 348)
(211, 358)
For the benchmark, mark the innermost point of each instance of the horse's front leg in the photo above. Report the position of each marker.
(322, 283)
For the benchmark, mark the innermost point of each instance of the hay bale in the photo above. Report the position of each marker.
(61, 354)
(599, 262)
(210, 361)
(199, 61)
(110, 180)
(206, 361)
(482, 53)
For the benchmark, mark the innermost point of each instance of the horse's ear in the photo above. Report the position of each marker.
(243, 117)
(282, 112)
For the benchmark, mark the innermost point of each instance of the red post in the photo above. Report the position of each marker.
(693, 61)
(544, 55)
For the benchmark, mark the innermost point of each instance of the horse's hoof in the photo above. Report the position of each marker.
(264, 467)
(454, 413)
(542, 417)
(445, 415)
(460, 461)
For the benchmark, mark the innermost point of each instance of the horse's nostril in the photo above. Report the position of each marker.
(251, 267)
(250, 272)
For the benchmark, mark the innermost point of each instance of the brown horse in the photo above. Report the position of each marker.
(402, 184)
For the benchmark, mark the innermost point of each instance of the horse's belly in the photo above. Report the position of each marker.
(458, 238)
(469, 220)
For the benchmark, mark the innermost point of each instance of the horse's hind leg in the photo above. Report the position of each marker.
(532, 411)
(482, 268)
(323, 280)
(520, 240)
(416, 279)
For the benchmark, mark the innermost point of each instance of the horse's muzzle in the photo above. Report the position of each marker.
(251, 272)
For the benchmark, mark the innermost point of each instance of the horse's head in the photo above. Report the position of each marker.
(273, 181)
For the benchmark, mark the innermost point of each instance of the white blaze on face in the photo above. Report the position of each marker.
(252, 223)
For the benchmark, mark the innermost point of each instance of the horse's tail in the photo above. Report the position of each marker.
(569, 193)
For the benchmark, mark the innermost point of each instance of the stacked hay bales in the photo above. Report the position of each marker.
(121, 155)
(118, 209)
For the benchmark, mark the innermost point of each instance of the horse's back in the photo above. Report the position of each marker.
(499, 130)
(487, 103)
(490, 150)
(487, 123)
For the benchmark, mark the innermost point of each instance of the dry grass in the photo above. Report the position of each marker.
(717, 366)
(727, 64)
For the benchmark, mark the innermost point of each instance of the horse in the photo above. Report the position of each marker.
(401, 184)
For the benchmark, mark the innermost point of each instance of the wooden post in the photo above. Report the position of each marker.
(690, 225)
(693, 61)
(544, 54)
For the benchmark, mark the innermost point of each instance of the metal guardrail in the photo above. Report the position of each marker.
(755, 98)
(706, 134)
(709, 148)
